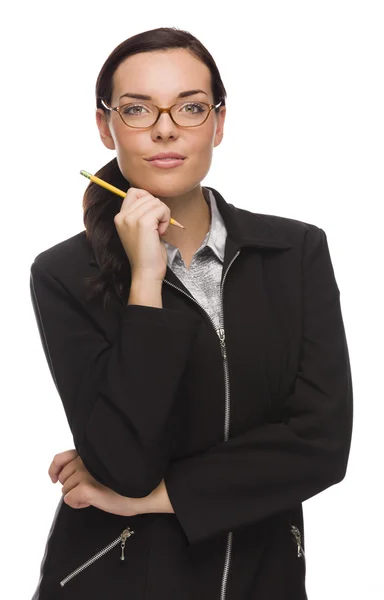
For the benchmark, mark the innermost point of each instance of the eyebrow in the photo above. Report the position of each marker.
(144, 97)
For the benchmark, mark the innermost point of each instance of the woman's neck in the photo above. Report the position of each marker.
(192, 211)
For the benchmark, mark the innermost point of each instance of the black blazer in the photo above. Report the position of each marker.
(148, 393)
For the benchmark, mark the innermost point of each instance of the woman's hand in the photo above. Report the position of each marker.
(142, 219)
(80, 489)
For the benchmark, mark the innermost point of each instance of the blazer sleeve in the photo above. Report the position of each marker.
(278, 465)
(117, 396)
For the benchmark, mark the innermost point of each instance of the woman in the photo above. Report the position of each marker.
(204, 371)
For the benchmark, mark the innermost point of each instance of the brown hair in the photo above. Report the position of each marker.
(100, 205)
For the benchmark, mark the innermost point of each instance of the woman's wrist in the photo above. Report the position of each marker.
(141, 506)
(156, 502)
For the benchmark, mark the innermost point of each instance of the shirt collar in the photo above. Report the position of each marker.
(216, 236)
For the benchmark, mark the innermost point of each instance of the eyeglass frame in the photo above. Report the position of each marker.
(161, 110)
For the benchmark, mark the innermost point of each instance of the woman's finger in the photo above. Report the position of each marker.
(71, 482)
(69, 469)
(59, 461)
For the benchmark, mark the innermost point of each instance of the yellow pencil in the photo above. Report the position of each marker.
(116, 190)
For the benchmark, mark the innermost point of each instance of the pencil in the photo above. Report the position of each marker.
(116, 191)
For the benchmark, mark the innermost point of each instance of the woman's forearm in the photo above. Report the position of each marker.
(156, 502)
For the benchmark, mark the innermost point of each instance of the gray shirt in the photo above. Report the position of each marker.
(203, 277)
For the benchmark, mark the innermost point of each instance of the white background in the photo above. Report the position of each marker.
(313, 73)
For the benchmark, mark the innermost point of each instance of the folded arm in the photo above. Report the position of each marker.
(278, 465)
(117, 396)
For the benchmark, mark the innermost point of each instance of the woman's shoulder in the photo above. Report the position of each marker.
(286, 225)
(278, 230)
(70, 254)
(67, 265)
(249, 222)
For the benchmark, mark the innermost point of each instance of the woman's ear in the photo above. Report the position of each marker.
(220, 126)
(103, 126)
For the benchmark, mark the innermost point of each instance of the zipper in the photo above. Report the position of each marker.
(126, 533)
(297, 535)
(221, 333)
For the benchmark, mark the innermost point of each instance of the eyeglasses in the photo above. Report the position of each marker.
(145, 115)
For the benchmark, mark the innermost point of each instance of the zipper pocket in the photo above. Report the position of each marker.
(126, 533)
(297, 535)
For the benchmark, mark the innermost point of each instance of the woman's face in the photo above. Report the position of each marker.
(162, 75)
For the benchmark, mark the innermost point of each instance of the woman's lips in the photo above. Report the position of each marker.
(166, 163)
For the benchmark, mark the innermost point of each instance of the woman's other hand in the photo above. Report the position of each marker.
(81, 490)
(68, 468)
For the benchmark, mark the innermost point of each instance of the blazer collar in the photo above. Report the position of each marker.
(247, 228)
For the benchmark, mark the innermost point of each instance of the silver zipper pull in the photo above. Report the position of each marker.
(221, 334)
(122, 557)
(297, 535)
(124, 535)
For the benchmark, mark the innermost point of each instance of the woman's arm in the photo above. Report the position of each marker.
(278, 465)
(81, 490)
(156, 502)
(117, 397)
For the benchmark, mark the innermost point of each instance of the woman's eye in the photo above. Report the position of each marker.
(135, 109)
(193, 105)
